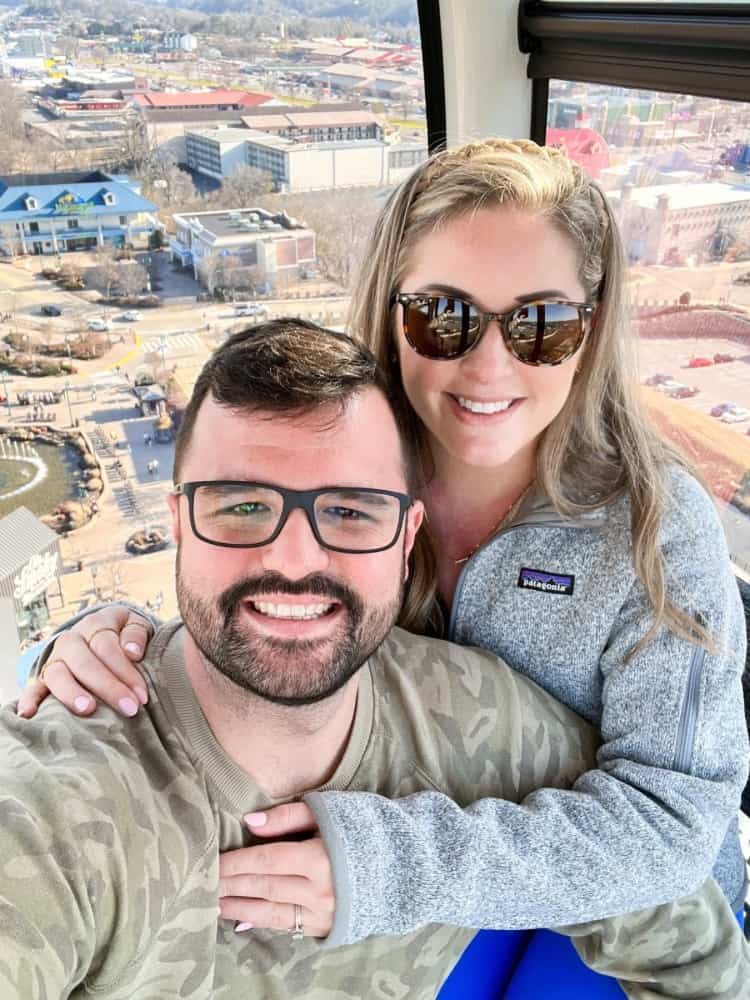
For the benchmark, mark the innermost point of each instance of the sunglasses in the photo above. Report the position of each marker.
(443, 328)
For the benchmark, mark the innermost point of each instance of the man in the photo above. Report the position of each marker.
(294, 523)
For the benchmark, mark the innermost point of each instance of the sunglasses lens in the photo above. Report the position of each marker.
(545, 333)
(437, 326)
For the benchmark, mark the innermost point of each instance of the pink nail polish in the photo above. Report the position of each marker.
(142, 695)
(128, 706)
(133, 647)
(82, 703)
(244, 926)
(256, 819)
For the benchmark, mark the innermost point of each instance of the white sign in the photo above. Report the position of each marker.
(35, 577)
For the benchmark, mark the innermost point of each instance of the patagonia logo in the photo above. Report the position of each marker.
(550, 583)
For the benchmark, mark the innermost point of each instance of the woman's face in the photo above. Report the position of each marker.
(493, 258)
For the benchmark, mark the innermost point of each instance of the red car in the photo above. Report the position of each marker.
(699, 363)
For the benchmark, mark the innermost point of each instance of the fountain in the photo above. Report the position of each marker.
(36, 475)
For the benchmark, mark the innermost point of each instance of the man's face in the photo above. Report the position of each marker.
(242, 607)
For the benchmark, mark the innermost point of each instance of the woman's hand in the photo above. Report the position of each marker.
(260, 886)
(94, 659)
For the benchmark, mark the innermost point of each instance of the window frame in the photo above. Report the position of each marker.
(690, 48)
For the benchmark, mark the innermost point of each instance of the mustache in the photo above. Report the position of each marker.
(274, 583)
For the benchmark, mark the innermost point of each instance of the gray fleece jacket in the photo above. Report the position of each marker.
(560, 602)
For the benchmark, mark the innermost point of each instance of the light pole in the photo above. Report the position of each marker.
(67, 399)
(4, 377)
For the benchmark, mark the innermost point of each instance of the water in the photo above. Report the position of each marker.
(35, 475)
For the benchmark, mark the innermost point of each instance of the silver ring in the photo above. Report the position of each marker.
(298, 931)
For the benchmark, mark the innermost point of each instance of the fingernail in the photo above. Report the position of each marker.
(128, 706)
(21, 712)
(256, 819)
(245, 926)
(133, 647)
(82, 703)
(142, 695)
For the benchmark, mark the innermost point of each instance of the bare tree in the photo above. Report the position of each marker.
(242, 188)
(104, 276)
(12, 105)
(132, 278)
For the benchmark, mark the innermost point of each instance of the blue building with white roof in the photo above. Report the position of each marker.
(56, 213)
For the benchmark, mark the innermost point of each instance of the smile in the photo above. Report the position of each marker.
(296, 612)
(475, 407)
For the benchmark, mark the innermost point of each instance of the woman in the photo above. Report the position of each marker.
(564, 536)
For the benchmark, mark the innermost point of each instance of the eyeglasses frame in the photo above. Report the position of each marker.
(292, 500)
(407, 298)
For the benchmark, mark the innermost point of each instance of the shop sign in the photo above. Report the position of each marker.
(35, 577)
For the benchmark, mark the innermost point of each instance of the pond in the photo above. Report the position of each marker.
(36, 475)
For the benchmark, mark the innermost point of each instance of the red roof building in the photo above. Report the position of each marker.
(218, 100)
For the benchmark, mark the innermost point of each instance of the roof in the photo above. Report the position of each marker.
(79, 198)
(687, 196)
(307, 118)
(205, 98)
(234, 224)
(22, 535)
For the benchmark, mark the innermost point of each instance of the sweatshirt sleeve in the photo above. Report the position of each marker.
(641, 829)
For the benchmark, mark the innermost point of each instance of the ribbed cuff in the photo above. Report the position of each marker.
(337, 856)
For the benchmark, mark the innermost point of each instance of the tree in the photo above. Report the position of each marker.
(11, 108)
(104, 276)
(131, 278)
(243, 188)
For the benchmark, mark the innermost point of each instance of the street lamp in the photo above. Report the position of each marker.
(67, 399)
(4, 377)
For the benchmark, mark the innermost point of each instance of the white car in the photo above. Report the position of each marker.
(250, 309)
(99, 325)
(131, 316)
(735, 415)
(669, 386)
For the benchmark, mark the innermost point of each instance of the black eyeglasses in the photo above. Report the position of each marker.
(241, 515)
(444, 328)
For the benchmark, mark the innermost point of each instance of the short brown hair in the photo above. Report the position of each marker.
(287, 366)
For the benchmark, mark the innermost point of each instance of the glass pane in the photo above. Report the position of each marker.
(676, 169)
(244, 156)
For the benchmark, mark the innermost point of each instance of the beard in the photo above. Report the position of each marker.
(285, 671)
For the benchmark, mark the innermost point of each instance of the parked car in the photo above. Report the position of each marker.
(131, 316)
(720, 359)
(658, 379)
(669, 386)
(99, 325)
(699, 363)
(742, 279)
(721, 408)
(685, 392)
(735, 416)
(250, 309)
(48, 309)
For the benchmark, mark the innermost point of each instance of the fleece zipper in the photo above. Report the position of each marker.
(689, 713)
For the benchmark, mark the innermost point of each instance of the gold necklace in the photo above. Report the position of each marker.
(508, 510)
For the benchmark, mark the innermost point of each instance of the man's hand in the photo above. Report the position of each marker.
(93, 659)
(260, 886)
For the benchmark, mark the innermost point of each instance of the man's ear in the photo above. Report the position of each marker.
(173, 502)
(414, 517)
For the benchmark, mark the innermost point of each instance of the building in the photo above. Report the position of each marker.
(29, 564)
(373, 80)
(217, 100)
(55, 213)
(670, 223)
(299, 165)
(174, 41)
(271, 250)
(88, 105)
(318, 123)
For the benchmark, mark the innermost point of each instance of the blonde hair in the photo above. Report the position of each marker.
(600, 445)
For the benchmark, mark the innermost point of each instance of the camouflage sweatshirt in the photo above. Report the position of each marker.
(112, 829)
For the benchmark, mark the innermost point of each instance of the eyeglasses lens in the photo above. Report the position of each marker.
(249, 514)
(546, 333)
(441, 327)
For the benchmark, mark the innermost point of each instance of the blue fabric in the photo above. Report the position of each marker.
(485, 968)
(551, 968)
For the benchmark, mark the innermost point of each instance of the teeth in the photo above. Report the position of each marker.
(469, 404)
(301, 611)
